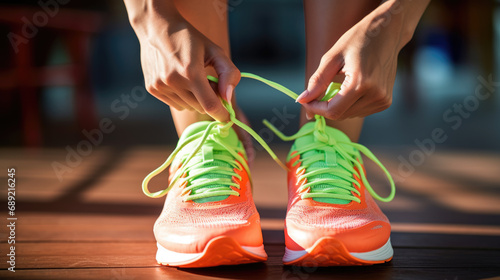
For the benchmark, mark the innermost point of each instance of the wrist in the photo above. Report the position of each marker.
(151, 14)
(399, 18)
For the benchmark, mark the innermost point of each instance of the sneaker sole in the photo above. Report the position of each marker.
(329, 251)
(221, 250)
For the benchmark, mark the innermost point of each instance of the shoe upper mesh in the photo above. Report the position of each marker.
(335, 217)
(207, 214)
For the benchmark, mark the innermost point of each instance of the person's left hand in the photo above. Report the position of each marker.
(369, 66)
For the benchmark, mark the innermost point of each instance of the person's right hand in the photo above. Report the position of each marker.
(174, 56)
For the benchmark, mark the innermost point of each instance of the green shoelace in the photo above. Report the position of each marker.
(341, 186)
(195, 172)
(344, 176)
(342, 166)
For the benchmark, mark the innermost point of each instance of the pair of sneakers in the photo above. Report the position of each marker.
(210, 219)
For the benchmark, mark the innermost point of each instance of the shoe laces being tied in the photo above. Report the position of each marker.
(346, 161)
(208, 175)
(330, 163)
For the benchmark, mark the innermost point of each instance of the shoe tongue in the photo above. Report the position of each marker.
(206, 153)
(330, 155)
(308, 138)
(194, 128)
(332, 132)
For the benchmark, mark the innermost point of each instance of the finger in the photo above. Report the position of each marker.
(309, 115)
(214, 86)
(168, 100)
(181, 96)
(172, 103)
(208, 99)
(154, 91)
(189, 99)
(319, 81)
(186, 105)
(337, 106)
(372, 102)
(361, 107)
(229, 75)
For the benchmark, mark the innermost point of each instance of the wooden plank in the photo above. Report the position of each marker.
(444, 241)
(134, 254)
(255, 271)
(73, 228)
(38, 162)
(81, 254)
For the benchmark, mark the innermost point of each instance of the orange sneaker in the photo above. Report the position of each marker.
(332, 218)
(209, 217)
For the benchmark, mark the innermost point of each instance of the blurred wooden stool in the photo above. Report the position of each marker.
(75, 29)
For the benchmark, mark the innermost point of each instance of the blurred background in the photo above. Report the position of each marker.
(63, 73)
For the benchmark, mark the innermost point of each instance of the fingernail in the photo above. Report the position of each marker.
(229, 93)
(308, 116)
(301, 96)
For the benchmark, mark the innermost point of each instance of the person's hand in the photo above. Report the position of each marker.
(174, 56)
(366, 56)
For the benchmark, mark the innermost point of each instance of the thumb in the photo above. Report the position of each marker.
(229, 75)
(319, 81)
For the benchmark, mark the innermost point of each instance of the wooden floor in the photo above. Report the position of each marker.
(96, 224)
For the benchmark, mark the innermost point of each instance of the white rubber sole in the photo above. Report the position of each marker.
(329, 251)
(219, 251)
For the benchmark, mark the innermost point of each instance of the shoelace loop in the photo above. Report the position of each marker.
(194, 180)
(320, 134)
